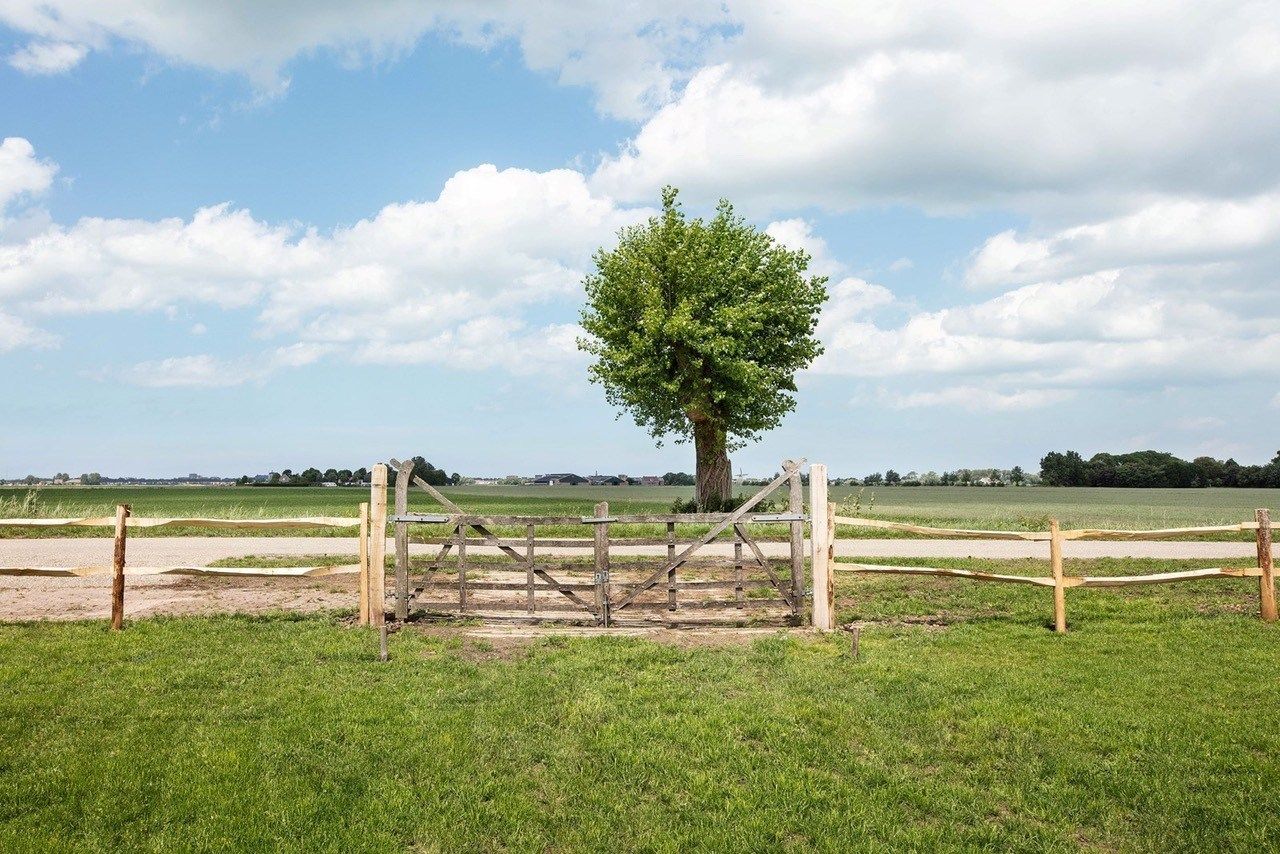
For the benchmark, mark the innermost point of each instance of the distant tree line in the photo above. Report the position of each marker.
(346, 477)
(960, 477)
(1154, 469)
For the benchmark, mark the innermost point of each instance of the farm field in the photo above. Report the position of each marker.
(964, 724)
(997, 508)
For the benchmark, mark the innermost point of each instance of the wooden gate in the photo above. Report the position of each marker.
(684, 586)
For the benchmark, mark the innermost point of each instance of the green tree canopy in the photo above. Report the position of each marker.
(698, 328)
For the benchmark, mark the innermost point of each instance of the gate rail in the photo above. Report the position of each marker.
(613, 587)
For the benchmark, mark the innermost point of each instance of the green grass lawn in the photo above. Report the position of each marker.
(965, 724)
(1002, 509)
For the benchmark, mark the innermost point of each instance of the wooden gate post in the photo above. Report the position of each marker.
(117, 567)
(795, 505)
(1059, 585)
(364, 563)
(820, 538)
(378, 545)
(602, 563)
(404, 474)
(1266, 578)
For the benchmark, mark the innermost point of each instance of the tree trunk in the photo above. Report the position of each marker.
(715, 474)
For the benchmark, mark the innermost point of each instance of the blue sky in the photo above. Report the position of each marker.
(235, 240)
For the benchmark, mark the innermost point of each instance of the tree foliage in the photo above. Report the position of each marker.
(1154, 469)
(698, 328)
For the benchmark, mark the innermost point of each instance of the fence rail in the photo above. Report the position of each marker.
(131, 571)
(186, 522)
(123, 520)
(1057, 579)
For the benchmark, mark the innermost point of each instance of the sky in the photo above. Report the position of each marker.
(240, 237)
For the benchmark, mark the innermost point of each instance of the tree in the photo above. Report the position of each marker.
(678, 478)
(1017, 475)
(91, 479)
(892, 478)
(873, 479)
(698, 328)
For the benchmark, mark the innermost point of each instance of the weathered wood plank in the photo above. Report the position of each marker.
(364, 564)
(795, 503)
(378, 545)
(703, 540)
(403, 472)
(117, 566)
(1059, 587)
(1266, 574)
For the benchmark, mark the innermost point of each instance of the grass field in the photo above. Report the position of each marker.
(1003, 509)
(964, 725)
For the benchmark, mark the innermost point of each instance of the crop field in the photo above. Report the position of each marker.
(964, 724)
(1027, 508)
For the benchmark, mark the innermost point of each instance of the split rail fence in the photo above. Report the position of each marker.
(1057, 579)
(747, 587)
(124, 520)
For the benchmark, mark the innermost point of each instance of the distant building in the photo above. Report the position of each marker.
(651, 480)
(567, 478)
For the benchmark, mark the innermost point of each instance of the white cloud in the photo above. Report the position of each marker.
(48, 57)
(632, 55)
(21, 172)
(449, 280)
(1044, 106)
(1184, 232)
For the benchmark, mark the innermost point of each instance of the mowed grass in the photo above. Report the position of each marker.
(996, 508)
(964, 724)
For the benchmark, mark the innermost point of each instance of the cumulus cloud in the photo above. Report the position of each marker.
(448, 280)
(632, 55)
(21, 172)
(1044, 106)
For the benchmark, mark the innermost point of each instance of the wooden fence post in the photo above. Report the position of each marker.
(117, 565)
(404, 475)
(821, 542)
(378, 545)
(1059, 585)
(1266, 579)
(795, 505)
(602, 563)
(364, 563)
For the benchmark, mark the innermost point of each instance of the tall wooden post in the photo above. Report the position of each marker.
(820, 539)
(1266, 579)
(378, 546)
(403, 477)
(117, 566)
(602, 563)
(795, 505)
(1059, 583)
(364, 563)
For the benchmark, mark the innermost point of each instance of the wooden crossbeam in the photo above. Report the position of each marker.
(715, 531)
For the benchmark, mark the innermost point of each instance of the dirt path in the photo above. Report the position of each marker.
(199, 551)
